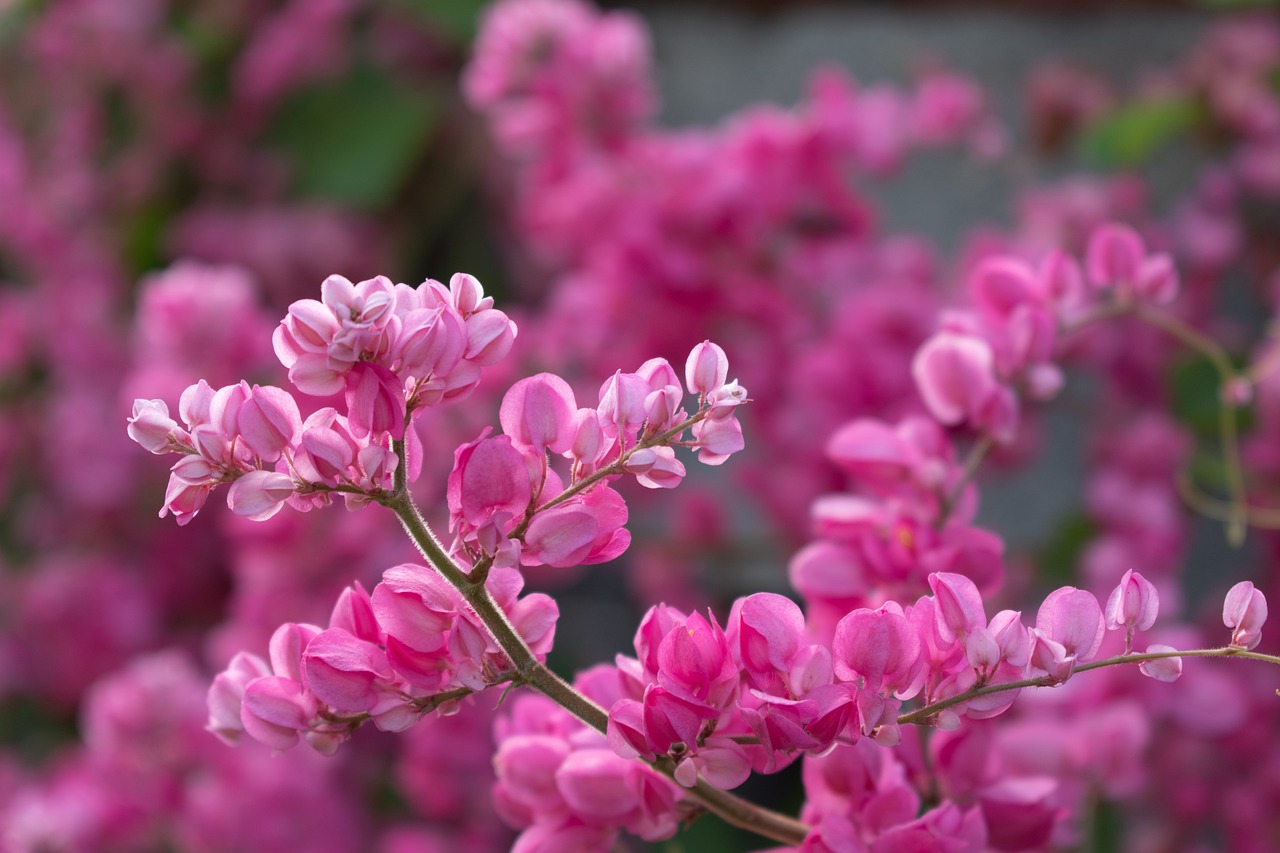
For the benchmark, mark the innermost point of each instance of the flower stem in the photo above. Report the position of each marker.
(532, 672)
(1228, 430)
(972, 461)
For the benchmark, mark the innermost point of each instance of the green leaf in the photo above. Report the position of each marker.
(1131, 136)
(355, 141)
(1058, 559)
(1196, 397)
(458, 18)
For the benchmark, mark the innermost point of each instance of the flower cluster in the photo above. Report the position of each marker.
(509, 506)
(388, 349)
(893, 683)
(409, 647)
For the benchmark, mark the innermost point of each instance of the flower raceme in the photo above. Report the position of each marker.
(509, 505)
(390, 350)
(410, 647)
(974, 369)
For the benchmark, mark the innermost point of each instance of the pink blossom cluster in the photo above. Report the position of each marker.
(751, 232)
(910, 515)
(148, 778)
(974, 370)
(432, 339)
(409, 647)
(508, 505)
(720, 703)
(389, 349)
(561, 785)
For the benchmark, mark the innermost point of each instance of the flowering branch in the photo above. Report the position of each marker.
(533, 673)
(923, 715)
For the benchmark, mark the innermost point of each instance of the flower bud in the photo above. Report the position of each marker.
(707, 368)
(1244, 611)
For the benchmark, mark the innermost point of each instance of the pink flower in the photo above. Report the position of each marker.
(375, 402)
(151, 427)
(258, 495)
(1244, 611)
(226, 694)
(268, 422)
(584, 530)
(955, 376)
(538, 413)
(766, 632)
(1069, 630)
(706, 369)
(1161, 669)
(879, 648)
(1133, 605)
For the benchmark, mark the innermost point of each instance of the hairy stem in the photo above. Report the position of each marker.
(532, 672)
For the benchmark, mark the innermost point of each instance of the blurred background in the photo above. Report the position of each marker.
(806, 183)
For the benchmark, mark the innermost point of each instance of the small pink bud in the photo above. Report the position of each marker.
(269, 422)
(1133, 604)
(467, 294)
(151, 426)
(1244, 611)
(706, 369)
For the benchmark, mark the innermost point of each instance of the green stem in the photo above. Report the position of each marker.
(615, 467)
(732, 809)
(1237, 518)
(923, 714)
(977, 453)
(1227, 427)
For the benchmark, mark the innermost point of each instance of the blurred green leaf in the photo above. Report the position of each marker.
(144, 240)
(1129, 137)
(1195, 397)
(356, 140)
(1059, 557)
(1208, 472)
(15, 16)
(1108, 827)
(458, 18)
